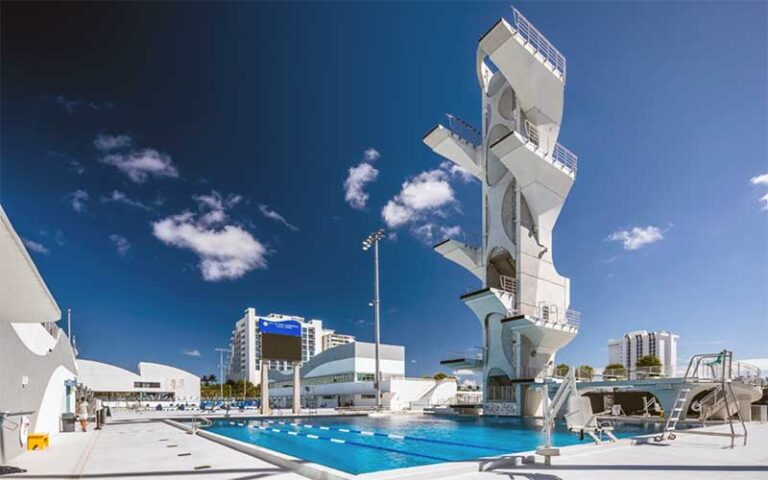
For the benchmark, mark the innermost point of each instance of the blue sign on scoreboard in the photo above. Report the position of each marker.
(280, 327)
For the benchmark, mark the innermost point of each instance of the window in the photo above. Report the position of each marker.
(146, 384)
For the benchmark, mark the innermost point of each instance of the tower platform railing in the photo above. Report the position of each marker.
(565, 157)
(533, 37)
(464, 131)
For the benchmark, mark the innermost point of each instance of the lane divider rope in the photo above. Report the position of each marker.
(386, 435)
(348, 442)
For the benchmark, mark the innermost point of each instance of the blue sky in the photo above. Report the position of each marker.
(171, 165)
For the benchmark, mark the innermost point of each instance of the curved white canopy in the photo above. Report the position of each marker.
(24, 298)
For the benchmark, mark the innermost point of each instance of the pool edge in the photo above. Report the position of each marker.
(302, 467)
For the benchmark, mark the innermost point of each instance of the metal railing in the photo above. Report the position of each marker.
(52, 329)
(508, 284)
(565, 157)
(531, 132)
(573, 318)
(470, 239)
(500, 393)
(467, 398)
(539, 42)
(464, 131)
(474, 353)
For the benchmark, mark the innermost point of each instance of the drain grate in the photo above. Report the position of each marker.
(173, 445)
(10, 470)
(186, 454)
(202, 467)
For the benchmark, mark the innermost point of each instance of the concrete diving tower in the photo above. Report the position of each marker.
(526, 175)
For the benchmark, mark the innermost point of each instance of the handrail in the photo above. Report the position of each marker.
(539, 43)
(464, 131)
(531, 132)
(508, 284)
(573, 318)
(565, 157)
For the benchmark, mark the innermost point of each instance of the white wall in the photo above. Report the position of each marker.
(184, 385)
(54, 402)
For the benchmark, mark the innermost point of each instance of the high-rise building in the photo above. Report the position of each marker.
(245, 347)
(635, 345)
(332, 339)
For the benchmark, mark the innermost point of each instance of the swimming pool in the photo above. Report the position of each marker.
(368, 444)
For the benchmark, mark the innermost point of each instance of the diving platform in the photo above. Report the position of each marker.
(531, 65)
(463, 254)
(458, 142)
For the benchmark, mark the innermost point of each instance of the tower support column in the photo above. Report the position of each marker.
(264, 367)
(296, 388)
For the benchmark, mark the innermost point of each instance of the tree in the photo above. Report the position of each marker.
(615, 370)
(440, 376)
(562, 370)
(648, 361)
(212, 379)
(585, 372)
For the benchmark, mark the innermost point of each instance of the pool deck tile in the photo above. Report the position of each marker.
(138, 450)
(688, 457)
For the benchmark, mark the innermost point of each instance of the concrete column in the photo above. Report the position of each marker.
(264, 366)
(296, 388)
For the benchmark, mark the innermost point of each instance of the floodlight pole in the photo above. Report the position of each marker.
(373, 240)
(221, 369)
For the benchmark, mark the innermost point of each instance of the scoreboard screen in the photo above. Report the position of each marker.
(280, 347)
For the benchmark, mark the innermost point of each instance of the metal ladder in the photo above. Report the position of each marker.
(674, 416)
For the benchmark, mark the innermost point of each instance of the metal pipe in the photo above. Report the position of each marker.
(377, 302)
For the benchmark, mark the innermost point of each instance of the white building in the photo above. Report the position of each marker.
(37, 362)
(524, 303)
(343, 376)
(635, 345)
(332, 339)
(154, 383)
(245, 347)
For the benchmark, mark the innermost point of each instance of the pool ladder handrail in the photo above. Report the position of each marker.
(204, 422)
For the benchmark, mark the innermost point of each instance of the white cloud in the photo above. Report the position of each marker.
(119, 197)
(426, 193)
(764, 199)
(637, 237)
(78, 198)
(192, 353)
(139, 165)
(273, 215)
(370, 155)
(226, 251)
(121, 243)
(457, 171)
(213, 206)
(72, 105)
(35, 246)
(759, 180)
(105, 142)
(430, 232)
(359, 176)
(77, 166)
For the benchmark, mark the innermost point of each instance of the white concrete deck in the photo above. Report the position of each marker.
(148, 448)
(688, 457)
(134, 449)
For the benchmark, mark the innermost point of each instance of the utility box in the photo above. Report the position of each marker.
(68, 422)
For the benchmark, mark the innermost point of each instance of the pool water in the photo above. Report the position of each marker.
(368, 444)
